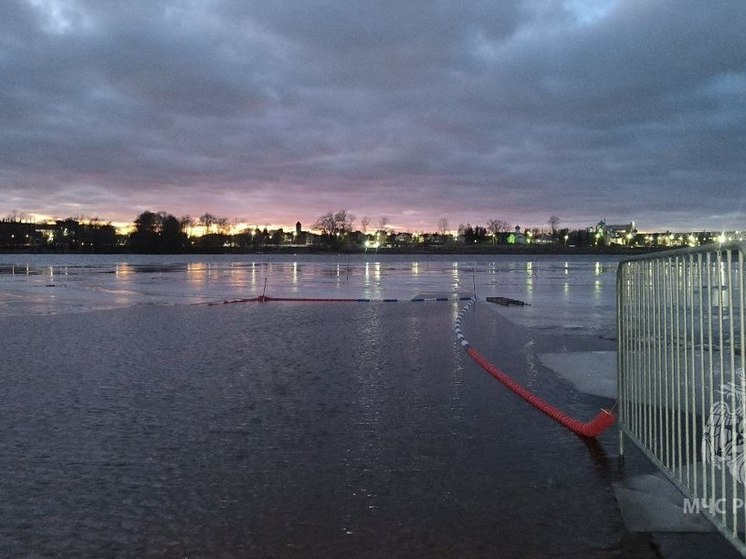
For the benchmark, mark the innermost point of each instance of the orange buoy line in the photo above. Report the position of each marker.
(592, 428)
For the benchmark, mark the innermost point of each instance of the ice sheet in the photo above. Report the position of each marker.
(590, 372)
(564, 294)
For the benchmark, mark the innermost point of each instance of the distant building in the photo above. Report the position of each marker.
(544, 239)
(402, 239)
(614, 234)
(516, 237)
(68, 234)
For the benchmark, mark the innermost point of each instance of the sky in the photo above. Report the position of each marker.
(414, 110)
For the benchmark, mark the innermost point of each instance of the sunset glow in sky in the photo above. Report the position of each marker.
(274, 112)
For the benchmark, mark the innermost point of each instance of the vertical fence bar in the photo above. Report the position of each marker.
(663, 358)
(640, 340)
(635, 342)
(676, 348)
(656, 355)
(621, 379)
(704, 409)
(634, 371)
(684, 273)
(692, 457)
(650, 356)
(719, 261)
(711, 360)
(668, 363)
(742, 339)
(638, 358)
(644, 369)
(734, 424)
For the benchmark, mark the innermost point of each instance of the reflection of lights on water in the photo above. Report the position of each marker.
(295, 273)
(197, 274)
(415, 268)
(598, 269)
(123, 270)
(455, 274)
(455, 309)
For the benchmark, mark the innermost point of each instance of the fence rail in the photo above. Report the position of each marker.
(682, 391)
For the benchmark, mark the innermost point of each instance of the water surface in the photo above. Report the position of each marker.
(141, 421)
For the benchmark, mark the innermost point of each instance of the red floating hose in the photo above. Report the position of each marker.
(593, 428)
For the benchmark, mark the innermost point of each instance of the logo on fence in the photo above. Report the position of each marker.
(723, 443)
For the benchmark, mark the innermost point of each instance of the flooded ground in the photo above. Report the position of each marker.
(139, 421)
(280, 430)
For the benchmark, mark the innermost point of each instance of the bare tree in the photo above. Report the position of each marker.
(334, 224)
(497, 226)
(364, 222)
(207, 221)
(223, 225)
(382, 223)
(443, 226)
(553, 222)
(186, 222)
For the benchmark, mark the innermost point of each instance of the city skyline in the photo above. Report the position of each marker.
(270, 114)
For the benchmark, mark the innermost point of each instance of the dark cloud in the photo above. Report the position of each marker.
(416, 110)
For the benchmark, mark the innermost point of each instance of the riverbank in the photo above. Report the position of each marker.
(455, 249)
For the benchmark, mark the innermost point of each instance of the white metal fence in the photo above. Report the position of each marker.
(682, 392)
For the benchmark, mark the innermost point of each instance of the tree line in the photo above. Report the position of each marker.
(337, 228)
(162, 232)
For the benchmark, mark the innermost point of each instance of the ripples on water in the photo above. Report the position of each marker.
(284, 430)
(278, 430)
